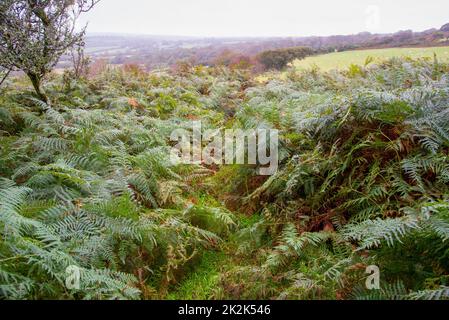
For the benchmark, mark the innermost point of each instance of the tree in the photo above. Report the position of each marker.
(34, 34)
(278, 59)
(80, 61)
(234, 60)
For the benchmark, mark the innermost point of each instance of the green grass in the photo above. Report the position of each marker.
(342, 60)
(200, 284)
(204, 279)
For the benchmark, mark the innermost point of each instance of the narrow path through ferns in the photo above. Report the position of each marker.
(363, 180)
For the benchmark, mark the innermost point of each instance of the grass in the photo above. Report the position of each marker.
(342, 60)
(200, 284)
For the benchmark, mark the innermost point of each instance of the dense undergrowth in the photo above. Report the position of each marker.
(364, 180)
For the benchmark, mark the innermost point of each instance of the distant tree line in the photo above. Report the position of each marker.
(243, 53)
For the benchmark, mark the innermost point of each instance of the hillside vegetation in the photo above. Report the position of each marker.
(85, 181)
(157, 51)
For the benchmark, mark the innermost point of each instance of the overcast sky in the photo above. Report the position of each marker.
(219, 18)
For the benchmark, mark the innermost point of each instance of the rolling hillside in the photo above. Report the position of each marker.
(342, 60)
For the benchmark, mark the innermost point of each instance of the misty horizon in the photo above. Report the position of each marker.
(262, 19)
(242, 37)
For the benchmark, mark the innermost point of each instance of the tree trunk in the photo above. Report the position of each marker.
(36, 81)
(6, 76)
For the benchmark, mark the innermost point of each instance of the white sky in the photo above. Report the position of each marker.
(218, 18)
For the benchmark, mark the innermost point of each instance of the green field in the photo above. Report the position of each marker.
(342, 60)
